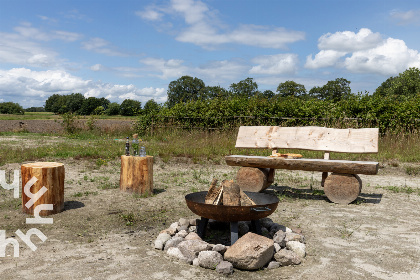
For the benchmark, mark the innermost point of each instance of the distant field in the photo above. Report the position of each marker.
(52, 116)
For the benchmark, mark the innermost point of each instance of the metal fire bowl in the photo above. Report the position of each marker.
(266, 204)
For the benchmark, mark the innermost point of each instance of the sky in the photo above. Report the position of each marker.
(126, 49)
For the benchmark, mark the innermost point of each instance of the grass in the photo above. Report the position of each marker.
(198, 145)
(402, 189)
(52, 116)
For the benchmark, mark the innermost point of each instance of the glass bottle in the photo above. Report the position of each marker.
(127, 147)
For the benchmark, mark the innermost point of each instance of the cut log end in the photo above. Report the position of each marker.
(254, 179)
(342, 188)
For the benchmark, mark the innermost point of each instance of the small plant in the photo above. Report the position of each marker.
(108, 186)
(413, 171)
(68, 123)
(128, 218)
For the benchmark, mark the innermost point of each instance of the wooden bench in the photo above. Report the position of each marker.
(342, 186)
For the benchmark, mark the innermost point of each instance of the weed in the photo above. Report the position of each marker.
(108, 186)
(128, 218)
(412, 170)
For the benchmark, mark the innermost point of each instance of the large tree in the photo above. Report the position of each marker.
(151, 107)
(74, 102)
(210, 92)
(245, 88)
(184, 89)
(291, 88)
(130, 107)
(334, 90)
(405, 84)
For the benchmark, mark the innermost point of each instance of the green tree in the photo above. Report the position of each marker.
(184, 89)
(151, 107)
(245, 88)
(333, 91)
(405, 84)
(90, 104)
(56, 103)
(11, 108)
(130, 107)
(113, 109)
(291, 88)
(210, 92)
(74, 102)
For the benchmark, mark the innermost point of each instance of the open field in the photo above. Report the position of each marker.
(106, 234)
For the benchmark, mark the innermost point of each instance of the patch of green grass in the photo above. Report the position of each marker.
(129, 219)
(108, 186)
(86, 193)
(399, 189)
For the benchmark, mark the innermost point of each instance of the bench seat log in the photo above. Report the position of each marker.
(322, 165)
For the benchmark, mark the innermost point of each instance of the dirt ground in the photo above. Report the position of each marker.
(106, 234)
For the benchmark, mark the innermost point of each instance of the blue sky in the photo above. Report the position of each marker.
(134, 49)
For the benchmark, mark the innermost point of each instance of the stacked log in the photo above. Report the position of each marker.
(228, 194)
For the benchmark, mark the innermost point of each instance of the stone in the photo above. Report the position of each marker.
(173, 228)
(209, 259)
(291, 236)
(161, 239)
(193, 222)
(180, 228)
(219, 248)
(296, 230)
(250, 252)
(181, 233)
(195, 262)
(279, 238)
(277, 247)
(175, 252)
(273, 265)
(192, 229)
(297, 247)
(173, 242)
(286, 257)
(183, 222)
(265, 232)
(225, 268)
(192, 236)
(191, 248)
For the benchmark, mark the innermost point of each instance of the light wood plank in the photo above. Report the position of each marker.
(363, 140)
(322, 165)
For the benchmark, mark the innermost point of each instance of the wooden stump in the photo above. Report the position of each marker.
(342, 188)
(49, 175)
(254, 179)
(137, 174)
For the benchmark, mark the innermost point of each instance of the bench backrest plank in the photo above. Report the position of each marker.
(362, 140)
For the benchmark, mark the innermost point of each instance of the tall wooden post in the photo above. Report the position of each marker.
(137, 174)
(49, 175)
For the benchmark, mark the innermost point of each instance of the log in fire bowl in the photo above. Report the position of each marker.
(266, 204)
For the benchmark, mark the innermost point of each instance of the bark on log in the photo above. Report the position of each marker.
(254, 179)
(322, 165)
(49, 175)
(213, 193)
(342, 188)
(231, 193)
(137, 174)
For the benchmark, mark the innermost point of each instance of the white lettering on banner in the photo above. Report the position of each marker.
(14, 185)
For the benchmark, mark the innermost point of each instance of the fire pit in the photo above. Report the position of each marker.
(266, 204)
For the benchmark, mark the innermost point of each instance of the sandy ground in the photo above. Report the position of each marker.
(106, 234)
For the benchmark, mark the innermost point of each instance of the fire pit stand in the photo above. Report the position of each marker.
(266, 204)
(234, 229)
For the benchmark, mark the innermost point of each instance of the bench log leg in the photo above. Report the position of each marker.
(342, 188)
(254, 179)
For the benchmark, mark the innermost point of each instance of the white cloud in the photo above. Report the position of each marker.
(407, 17)
(221, 71)
(389, 58)
(363, 52)
(167, 68)
(275, 64)
(203, 27)
(32, 88)
(97, 67)
(101, 46)
(324, 58)
(348, 41)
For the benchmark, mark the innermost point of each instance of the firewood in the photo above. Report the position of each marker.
(231, 193)
(213, 192)
(246, 200)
